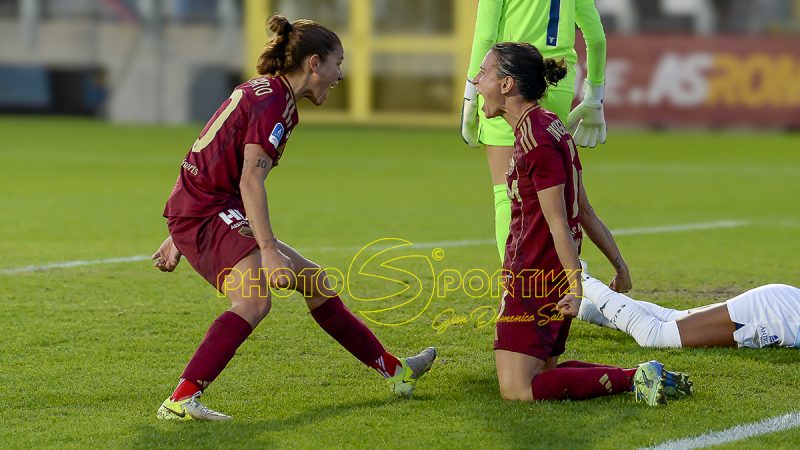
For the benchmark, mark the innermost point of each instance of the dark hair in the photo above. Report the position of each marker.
(292, 42)
(524, 63)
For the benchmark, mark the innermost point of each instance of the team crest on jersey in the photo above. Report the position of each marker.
(276, 135)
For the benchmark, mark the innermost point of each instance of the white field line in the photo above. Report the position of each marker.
(67, 264)
(737, 433)
(422, 245)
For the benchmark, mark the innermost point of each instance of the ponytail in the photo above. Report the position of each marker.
(554, 71)
(292, 42)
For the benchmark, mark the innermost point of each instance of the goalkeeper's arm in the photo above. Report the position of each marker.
(587, 122)
(486, 25)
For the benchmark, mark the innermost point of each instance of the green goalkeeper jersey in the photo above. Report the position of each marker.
(547, 24)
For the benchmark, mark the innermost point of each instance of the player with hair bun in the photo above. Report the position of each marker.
(218, 218)
(548, 208)
(550, 27)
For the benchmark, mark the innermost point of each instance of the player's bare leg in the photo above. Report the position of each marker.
(709, 327)
(340, 323)
(250, 303)
(252, 300)
(499, 158)
(515, 372)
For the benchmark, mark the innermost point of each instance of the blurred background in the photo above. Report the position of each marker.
(671, 63)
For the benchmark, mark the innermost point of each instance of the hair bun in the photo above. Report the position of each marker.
(554, 70)
(279, 25)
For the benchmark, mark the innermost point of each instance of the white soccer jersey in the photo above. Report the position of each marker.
(769, 316)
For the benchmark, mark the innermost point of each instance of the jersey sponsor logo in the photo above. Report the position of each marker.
(766, 338)
(276, 135)
(191, 168)
(231, 215)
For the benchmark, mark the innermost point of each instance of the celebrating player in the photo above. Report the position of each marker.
(543, 287)
(550, 27)
(218, 218)
(766, 316)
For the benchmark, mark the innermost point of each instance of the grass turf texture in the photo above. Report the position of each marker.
(88, 353)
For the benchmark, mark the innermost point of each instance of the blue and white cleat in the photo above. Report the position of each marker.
(677, 385)
(648, 383)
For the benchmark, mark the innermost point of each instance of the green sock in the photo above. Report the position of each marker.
(502, 217)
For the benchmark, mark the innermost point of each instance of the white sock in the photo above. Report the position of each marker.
(631, 317)
(661, 313)
(589, 313)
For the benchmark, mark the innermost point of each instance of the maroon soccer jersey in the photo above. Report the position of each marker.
(260, 111)
(544, 156)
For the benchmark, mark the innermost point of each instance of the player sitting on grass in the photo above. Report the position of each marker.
(548, 208)
(218, 218)
(767, 316)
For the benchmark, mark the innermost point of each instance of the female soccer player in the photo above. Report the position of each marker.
(543, 287)
(766, 316)
(550, 27)
(218, 218)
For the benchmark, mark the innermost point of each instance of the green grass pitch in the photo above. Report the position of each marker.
(88, 353)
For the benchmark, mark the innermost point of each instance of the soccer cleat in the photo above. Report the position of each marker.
(677, 385)
(188, 409)
(648, 383)
(412, 369)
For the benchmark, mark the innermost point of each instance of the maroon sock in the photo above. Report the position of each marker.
(580, 364)
(185, 389)
(386, 364)
(219, 345)
(580, 383)
(334, 317)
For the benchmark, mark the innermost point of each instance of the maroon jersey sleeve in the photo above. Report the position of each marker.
(546, 167)
(267, 128)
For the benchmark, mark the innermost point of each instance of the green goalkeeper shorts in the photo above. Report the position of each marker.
(496, 131)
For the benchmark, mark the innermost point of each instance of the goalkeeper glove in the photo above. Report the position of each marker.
(587, 122)
(469, 115)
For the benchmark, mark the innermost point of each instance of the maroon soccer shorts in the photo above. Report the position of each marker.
(531, 326)
(213, 245)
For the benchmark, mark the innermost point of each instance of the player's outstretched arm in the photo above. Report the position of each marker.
(601, 236)
(587, 122)
(167, 257)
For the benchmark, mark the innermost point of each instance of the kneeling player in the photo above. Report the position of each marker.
(218, 219)
(766, 316)
(546, 192)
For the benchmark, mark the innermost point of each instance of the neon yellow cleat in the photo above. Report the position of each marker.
(648, 383)
(188, 409)
(413, 368)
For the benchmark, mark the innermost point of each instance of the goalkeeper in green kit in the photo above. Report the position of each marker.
(550, 26)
